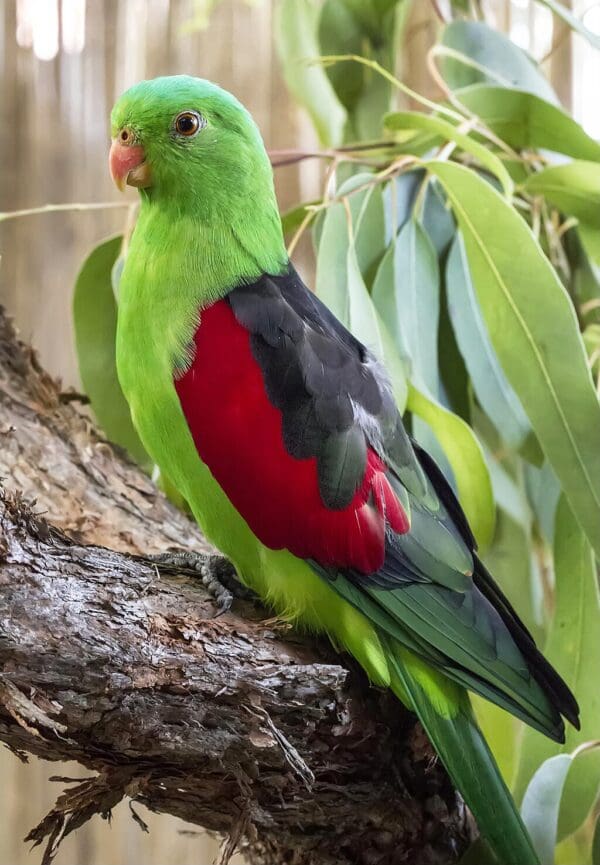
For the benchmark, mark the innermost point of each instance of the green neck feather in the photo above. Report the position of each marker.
(178, 262)
(204, 254)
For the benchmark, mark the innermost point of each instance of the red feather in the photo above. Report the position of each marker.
(238, 435)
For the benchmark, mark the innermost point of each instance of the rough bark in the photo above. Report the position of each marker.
(235, 724)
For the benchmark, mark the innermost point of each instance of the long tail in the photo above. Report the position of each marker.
(445, 712)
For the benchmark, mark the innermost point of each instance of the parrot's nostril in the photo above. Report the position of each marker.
(126, 136)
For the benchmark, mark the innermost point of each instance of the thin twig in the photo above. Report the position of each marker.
(308, 218)
(58, 208)
(331, 59)
(479, 125)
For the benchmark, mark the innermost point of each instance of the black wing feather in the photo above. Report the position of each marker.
(323, 381)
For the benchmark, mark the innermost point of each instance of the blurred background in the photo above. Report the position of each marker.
(63, 64)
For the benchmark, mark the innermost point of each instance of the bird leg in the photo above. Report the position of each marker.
(216, 573)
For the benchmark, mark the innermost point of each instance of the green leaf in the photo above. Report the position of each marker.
(369, 227)
(399, 199)
(533, 328)
(95, 323)
(596, 844)
(372, 14)
(478, 853)
(585, 274)
(296, 24)
(510, 561)
(524, 120)
(482, 55)
(410, 304)
(542, 802)
(574, 188)
(490, 384)
(401, 120)
(590, 238)
(543, 492)
(436, 217)
(465, 455)
(368, 28)
(339, 284)
(574, 849)
(341, 33)
(573, 647)
(573, 21)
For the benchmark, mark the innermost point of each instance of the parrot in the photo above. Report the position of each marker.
(280, 430)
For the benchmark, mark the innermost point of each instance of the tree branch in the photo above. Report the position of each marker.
(227, 723)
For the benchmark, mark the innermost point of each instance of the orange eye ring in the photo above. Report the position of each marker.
(188, 123)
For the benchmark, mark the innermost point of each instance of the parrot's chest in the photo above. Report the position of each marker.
(149, 344)
(145, 359)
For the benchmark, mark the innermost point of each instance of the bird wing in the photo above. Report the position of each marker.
(296, 420)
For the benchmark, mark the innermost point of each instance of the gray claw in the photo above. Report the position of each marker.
(215, 588)
(216, 573)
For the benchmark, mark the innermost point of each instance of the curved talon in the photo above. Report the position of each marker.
(216, 573)
(222, 595)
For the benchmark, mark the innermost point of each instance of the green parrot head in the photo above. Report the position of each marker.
(187, 142)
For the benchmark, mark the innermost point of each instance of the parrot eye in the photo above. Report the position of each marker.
(188, 123)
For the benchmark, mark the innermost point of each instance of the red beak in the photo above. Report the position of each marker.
(127, 165)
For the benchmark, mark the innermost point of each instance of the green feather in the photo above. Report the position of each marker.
(464, 752)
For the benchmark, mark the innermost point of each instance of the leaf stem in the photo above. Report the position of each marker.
(331, 59)
(308, 217)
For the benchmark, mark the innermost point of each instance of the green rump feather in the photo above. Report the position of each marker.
(209, 221)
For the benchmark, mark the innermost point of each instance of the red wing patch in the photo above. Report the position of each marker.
(238, 435)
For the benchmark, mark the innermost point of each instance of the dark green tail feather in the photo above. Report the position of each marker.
(468, 760)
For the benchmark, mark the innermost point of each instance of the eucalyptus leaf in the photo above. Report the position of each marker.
(410, 305)
(482, 55)
(373, 14)
(585, 275)
(590, 238)
(508, 492)
(543, 491)
(575, 23)
(296, 23)
(465, 456)
(367, 28)
(366, 325)
(533, 327)
(400, 120)
(491, 386)
(573, 187)
(369, 228)
(574, 849)
(478, 853)
(437, 218)
(398, 201)
(524, 120)
(541, 804)
(341, 32)
(332, 258)
(573, 648)
(596, 843)
(95, 323)
(341, 286)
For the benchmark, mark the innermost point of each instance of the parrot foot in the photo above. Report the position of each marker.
(216, 573)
